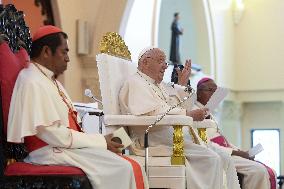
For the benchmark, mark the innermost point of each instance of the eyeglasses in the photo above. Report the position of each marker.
(160, 61)
(208, 89)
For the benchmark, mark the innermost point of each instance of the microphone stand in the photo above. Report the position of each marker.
(100, 114)
(146, 135)
(97, 100)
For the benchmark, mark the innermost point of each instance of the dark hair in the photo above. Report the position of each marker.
(52, 41)
(176, 14)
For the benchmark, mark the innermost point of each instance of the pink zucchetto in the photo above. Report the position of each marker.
(44, 31)
(203, 80)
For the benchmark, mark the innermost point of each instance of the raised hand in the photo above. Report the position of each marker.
(183, 75)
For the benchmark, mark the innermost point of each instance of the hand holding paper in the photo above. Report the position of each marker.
(255, 150)
(120, 136)
(217, 97)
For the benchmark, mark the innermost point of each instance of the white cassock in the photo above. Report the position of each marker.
(141, 96)
(255, 174)
(38, 109)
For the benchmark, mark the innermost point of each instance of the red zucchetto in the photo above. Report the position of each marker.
(44, 31)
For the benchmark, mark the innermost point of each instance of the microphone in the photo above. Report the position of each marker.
(89, 94)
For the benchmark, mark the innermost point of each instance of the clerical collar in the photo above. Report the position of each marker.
(48, 73)
(146, 77)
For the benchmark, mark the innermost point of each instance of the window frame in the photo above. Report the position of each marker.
(279, 137)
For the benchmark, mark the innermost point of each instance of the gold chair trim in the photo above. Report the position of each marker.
(113, 44)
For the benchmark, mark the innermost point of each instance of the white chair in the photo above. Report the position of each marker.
(112, 73)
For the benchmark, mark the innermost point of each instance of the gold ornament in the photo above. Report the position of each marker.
(202, 134)
(11, 161)
(113, 44)
(178, 157)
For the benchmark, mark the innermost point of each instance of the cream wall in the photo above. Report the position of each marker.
(259, 46)
(102, 16)
(223, 40)
(249, 61)
(205, 41)
(259, 52)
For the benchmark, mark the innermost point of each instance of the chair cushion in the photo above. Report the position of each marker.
(10, 66)
(27, 169)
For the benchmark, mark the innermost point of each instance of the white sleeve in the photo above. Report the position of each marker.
(188, 104)
(162, 109)
(224, 149)
(60, 136)
(234, 147)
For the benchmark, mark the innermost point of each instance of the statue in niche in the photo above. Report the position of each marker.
(175, 41)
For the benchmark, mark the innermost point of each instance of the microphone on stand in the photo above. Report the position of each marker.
(89, 94)
(146, 141)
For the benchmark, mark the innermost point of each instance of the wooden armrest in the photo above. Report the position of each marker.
(132, 120)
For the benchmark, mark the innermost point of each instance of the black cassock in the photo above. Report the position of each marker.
(174, 53)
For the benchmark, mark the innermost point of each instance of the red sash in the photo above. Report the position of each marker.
(33, 143)
(272, 177)
(221, 140)
(137, 172)
(73, 124)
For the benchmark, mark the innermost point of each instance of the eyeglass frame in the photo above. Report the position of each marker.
(208, 89)
(166, 62)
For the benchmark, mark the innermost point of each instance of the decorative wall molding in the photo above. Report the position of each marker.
(256, 95)
(83, 37)
(238, 11)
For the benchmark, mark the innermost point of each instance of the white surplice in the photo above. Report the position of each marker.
(255, 174)
(141, 96)
(38, 109)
